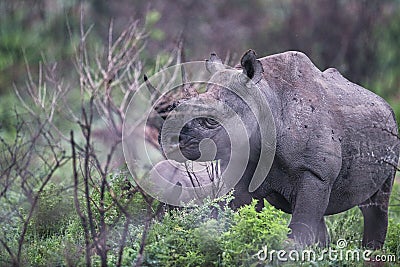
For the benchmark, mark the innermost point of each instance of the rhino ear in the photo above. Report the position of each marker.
(252, 67)
(214, 64)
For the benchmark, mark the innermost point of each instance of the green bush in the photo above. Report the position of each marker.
(185, 237)
(198, 237)
(52, 213)
(250, 231)
(44, 252)
(392, 243)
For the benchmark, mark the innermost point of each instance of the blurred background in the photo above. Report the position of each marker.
(361, 38)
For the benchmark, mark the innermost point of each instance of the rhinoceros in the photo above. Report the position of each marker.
(336, 142)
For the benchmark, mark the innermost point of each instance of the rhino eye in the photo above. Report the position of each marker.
(209, 123)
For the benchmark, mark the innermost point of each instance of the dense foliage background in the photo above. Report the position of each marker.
(60, 207)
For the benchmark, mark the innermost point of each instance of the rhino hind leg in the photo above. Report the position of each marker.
(375, 212)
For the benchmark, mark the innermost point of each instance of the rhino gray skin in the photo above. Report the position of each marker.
(336, 143)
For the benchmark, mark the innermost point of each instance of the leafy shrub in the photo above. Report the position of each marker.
(52, 212)
(250, 231)
(196, 237)
(188, 237)
(44, 252)
(392, 243)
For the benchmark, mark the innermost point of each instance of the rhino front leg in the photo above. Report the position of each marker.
(323, 236)
(311, 200)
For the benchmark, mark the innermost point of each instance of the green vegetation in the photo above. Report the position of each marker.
(207, 235)
(192, 237)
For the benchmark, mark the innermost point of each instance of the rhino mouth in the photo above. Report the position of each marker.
(182, 152)
(191, 150)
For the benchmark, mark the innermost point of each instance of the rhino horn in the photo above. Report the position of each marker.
(252, 67)
(188, 90)
(214, 64)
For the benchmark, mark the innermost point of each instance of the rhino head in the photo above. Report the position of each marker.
(202, 119)
(223, 123)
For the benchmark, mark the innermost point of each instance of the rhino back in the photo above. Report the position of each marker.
(330, 126)
(370, 146)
